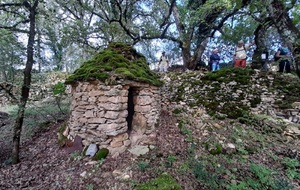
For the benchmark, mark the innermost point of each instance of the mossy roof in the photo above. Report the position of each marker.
(118, 61)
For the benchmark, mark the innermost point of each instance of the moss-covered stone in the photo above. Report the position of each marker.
(288, 87)
(118, 60)
(101, 154)
(220, 92)
(162, 182)
(241, 76)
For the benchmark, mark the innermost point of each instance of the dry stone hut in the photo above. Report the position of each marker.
(115, 100)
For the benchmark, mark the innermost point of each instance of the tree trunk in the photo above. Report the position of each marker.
(199, 52)
(185, 46)
(261, 44)
(186, 55)
(189, 61)
(26, 84)
(39, 56)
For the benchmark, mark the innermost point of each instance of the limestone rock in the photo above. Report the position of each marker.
(92, 150)
(139, 150)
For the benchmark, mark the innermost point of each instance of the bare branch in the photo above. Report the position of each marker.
(167, 17)
(14, 27)
(11, 5)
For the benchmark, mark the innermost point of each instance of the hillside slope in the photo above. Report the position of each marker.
(231, 129)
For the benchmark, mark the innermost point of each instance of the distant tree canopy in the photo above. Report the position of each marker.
(69, 31)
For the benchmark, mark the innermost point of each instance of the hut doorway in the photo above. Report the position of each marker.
(130, 108)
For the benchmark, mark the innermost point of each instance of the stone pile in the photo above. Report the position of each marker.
(182, 84)
(41, 88)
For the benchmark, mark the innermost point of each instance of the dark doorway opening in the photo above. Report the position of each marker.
(130, 108)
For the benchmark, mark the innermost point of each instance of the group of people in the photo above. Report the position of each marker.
(240, 56)
(283, 54)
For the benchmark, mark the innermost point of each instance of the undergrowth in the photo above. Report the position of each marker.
(220, 168)
(39, 116)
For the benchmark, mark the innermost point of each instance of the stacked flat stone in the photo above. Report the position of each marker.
(99, 112)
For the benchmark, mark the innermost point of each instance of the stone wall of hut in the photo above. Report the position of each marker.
(100, 114)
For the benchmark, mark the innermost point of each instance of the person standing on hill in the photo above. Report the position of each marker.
(163, 63)
(214, 60)
(240, 54)
(283, 54)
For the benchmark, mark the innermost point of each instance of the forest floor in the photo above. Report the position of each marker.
(183, 154)
(198, 152)
(45, 165)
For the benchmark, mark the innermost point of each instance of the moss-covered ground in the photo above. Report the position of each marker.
(226, 91)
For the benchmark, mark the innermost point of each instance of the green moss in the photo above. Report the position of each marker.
(118, 59)
(241, 76)
(288, 88)
(162, 182)
(101, 154)
(125, 72)
(224, 92)
(217, 150)
(177, 111)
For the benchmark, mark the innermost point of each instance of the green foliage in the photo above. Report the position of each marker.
(118, 60)
(288, 87)
(170, 160)
(282, 184)
(40, 115)
(242, 29)
(217, 150)
(219, 116)
(292, 168)
(162, 182)
(59, 91)
(207, 178)
(12, 53)
(290, 163)
(184, 167)
(90, 187)
(101, 154)
(76, 155)
(186, 131)
(143, 165)
(264, 176)
(59, 88)
(241, 186)
(177, 111)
